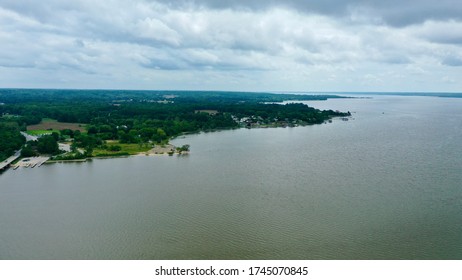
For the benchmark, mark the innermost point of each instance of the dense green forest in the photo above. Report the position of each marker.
(145, 116)
(10, 138)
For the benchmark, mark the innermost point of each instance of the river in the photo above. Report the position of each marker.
(386, 184)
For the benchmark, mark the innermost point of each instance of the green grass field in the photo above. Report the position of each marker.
(131, 149)
(41, 132)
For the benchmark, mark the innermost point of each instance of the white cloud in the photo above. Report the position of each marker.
(151, 28)
(148, 44)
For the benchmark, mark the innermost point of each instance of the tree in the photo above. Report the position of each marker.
(114, 148)
(47, 145)
(184, 148)
(74, 147)
(123, 137)
(92, 130)
(89, 152)
(68, 132)
(27, 151)
(55, 135)
(10, 139)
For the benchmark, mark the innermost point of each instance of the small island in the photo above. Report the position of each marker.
(75, 125)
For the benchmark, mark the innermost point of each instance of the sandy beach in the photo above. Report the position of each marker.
(161, 150)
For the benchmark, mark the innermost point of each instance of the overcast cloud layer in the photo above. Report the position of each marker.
(292, 45)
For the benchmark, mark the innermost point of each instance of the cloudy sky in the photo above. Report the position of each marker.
(254, 45)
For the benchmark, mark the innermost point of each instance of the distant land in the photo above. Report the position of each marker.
(429, 94)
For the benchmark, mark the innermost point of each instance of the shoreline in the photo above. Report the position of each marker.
(169, 149)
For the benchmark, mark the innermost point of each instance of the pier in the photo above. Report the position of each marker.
(31, 162)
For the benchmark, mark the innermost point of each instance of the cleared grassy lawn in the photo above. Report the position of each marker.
(131, 149)
(41, 132)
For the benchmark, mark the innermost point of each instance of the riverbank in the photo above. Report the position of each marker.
(161, 149)
(115, 149)
(127, 150)
(30, 162)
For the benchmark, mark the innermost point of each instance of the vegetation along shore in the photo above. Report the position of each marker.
(82, 124)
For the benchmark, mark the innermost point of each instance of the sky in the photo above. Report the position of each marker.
(236, 45)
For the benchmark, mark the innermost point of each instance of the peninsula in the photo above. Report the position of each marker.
(80, 124)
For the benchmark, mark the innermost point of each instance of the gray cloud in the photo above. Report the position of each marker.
(9, 64)
(252, 43)
(163, 64)
(447, 32)
(452, 61)
(392, 12)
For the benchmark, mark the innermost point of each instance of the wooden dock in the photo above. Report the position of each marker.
(32, 162)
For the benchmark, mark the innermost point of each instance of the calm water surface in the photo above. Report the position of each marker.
(386, 185)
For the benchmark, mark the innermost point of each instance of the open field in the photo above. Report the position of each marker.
(125, 149)
(49, 124)
(41, 132)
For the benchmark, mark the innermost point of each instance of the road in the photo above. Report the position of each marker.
(29, 137)
(9, 160)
